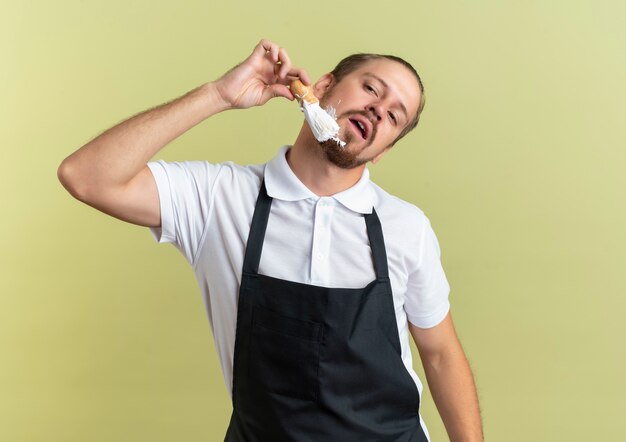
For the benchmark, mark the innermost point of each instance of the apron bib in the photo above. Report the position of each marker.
(315, 363)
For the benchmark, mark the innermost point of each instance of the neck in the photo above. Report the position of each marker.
(308, 162)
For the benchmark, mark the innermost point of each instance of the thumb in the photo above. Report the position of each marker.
(278, 90)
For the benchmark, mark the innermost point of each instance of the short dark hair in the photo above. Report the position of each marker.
(355, 61)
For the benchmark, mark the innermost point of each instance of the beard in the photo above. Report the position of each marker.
(341, 157)
(344, 157)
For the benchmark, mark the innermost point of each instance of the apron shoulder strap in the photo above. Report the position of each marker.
(377, 244)
(257, 231)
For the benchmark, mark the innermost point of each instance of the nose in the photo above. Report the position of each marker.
(376, 110)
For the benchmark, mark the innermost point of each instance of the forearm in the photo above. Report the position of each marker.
(118, 154)
(452, 387)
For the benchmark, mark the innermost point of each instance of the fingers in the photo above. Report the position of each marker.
(282, 66)
(280, 90)
(299, 74)
(285, 63)
(269, 47)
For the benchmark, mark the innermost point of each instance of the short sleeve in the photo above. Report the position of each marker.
(185, 200)
(427, 301)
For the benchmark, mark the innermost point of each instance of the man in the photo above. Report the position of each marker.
(312, 275)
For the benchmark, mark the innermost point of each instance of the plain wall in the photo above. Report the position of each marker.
(518, 161)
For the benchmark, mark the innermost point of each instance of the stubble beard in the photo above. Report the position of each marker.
(345, 157)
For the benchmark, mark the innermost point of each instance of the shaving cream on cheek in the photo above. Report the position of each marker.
(323, 122)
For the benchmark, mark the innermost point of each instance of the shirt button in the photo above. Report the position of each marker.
(319, 255)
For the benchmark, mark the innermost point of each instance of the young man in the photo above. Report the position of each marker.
(312, 275)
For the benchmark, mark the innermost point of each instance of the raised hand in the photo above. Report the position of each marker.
(262, 76)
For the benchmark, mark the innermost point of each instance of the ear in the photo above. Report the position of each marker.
(377, 158)
(323, 84)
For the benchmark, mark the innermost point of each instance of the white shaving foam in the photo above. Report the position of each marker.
(322, 122)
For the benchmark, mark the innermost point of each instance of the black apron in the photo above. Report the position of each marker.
(319, 364)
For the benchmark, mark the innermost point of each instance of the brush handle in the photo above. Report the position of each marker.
(302, 92)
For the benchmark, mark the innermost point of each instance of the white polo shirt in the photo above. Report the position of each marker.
(206, 212)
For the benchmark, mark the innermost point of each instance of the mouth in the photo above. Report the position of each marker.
(361, 126)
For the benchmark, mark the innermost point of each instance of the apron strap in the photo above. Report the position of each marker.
(257, 231)
(377, 244)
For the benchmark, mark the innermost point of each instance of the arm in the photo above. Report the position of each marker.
(110, 172)
(450, 380)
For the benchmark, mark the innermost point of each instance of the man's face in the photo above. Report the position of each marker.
(373, 103)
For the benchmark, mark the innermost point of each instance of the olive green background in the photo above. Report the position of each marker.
(518, 161)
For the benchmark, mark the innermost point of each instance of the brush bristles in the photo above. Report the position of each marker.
(322, 124)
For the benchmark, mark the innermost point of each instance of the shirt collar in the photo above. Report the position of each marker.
(281, 183)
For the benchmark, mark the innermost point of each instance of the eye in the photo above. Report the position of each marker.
(370, 89)
(393, 117)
